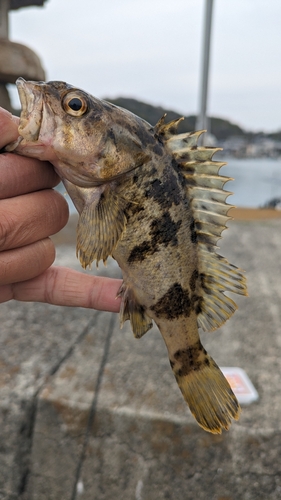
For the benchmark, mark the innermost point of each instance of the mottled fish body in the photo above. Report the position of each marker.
(153, 200)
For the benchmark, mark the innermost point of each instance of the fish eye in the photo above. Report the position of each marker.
(74, 105)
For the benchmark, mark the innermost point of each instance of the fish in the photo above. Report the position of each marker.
(154, 200)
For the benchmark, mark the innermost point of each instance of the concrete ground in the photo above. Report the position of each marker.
(90, 413)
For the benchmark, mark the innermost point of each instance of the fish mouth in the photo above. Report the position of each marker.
(31, 98)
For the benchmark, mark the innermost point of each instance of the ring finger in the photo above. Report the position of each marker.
(25, 263)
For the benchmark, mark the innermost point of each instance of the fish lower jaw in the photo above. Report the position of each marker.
(28, 131)
(35, 149)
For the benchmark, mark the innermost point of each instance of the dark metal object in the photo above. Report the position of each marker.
(16, 59)
(18, 4)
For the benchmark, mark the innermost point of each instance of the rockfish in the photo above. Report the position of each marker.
(154, 201)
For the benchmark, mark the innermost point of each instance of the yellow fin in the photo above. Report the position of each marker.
(99, 228)
(132, 310)
(217, 275)
(209, 397)
(167, 129)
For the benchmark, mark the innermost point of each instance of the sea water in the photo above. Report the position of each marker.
(256, 181)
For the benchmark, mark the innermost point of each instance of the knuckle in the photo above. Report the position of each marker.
(6, 229)
(51, 285)
(59, 212)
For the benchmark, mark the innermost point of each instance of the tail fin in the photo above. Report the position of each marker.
(208, 395)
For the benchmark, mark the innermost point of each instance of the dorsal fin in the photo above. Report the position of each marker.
(166, 129)
(207, 198)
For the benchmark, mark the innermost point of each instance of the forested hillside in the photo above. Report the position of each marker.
(219, 127)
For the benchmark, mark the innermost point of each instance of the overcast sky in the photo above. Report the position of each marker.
(151, 50)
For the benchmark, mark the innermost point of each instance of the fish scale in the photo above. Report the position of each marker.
(153, 200)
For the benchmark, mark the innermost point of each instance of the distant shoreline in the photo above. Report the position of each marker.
(251, 214)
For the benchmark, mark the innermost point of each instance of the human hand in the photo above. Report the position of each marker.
(31, 211)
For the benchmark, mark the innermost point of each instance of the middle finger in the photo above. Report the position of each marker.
(31, 217)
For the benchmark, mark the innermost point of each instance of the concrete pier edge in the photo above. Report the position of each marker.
(89, 412)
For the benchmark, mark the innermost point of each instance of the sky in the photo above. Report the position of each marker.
(152, 49)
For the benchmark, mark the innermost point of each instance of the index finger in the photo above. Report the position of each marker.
(20, 175)
(65, 287)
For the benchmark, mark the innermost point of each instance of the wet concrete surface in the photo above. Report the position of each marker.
(89, 412)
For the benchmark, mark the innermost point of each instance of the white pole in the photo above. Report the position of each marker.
(202, 120)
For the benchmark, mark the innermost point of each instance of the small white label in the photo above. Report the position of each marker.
(80, 487)
(240, 384)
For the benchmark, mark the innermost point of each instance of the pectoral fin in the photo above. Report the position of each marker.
(101, 222)
(100, 226)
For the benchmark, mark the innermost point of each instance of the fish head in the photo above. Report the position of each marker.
(89, 141)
